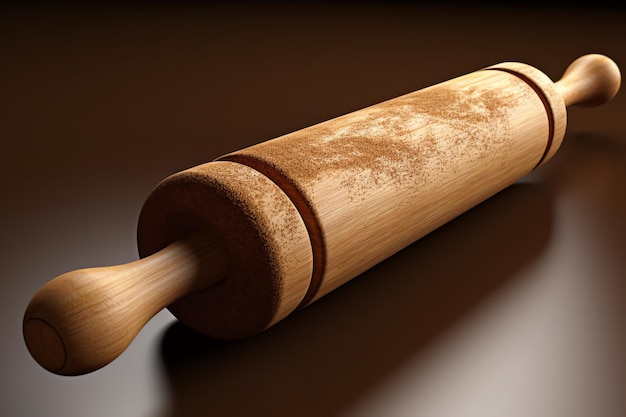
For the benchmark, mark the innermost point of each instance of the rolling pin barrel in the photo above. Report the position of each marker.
(235, 245)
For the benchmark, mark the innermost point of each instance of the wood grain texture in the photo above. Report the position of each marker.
(82, 320)
(376, 180)
(589, 81)
(235, 245)
(267, 248)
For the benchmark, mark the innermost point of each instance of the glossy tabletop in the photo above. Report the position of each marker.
(516, 308)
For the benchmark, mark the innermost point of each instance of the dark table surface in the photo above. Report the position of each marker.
(517, 308)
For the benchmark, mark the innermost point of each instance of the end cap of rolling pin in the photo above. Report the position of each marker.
(84, 319)
(590, 80)
(45, 344)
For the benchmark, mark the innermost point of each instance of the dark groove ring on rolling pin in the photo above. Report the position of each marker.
(264, 237)
(546, 105)
(306, 211)
(551, 99)
(377, 179)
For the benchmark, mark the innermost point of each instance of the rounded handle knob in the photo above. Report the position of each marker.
(589, 81)
(82, 320)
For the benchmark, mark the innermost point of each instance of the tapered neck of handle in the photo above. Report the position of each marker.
(82, 320)
(590, 80)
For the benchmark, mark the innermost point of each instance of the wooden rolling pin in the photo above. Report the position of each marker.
(235, 245)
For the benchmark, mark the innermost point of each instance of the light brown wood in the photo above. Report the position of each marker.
(82, 320)
(589, 81)
(267, 246)
(295, 217)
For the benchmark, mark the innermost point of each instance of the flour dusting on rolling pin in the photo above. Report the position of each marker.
(233, 246)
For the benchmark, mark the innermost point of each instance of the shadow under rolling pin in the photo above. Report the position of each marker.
(235, 245)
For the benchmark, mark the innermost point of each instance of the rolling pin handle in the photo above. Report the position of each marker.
(82, 320)
(590, 80)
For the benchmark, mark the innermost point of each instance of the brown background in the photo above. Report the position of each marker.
(517, 308)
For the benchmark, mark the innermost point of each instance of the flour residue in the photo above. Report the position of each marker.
(411, 138)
